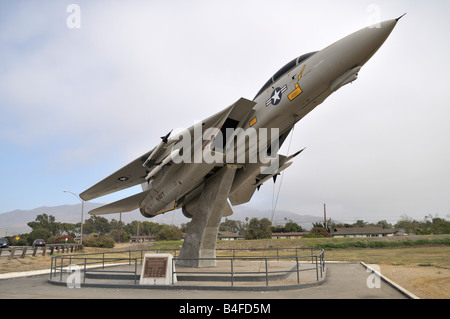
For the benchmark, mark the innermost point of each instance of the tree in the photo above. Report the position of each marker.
(66, 229)
(38, 233)
(119, 236)
(292, 227)
(440, 226)
(289, 227)
(360, 223)
(185, 227)
(232, 226)
(384, 224)
(45, 221)
(434, 225)
(96, 224)
(319, 231)
(409, 225)
(259, 229)
(167, 232)
(149, 228)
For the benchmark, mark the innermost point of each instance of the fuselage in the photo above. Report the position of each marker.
(285, 99)
(309, 83)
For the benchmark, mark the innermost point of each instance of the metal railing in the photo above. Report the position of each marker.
(298, 260)
(61, 265)
(317, 260)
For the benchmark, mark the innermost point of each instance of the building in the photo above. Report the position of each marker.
(225, 235)
(363, 232)
(141, 239)
(288, 235)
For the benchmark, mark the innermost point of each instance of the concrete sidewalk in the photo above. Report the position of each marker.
(344, 281)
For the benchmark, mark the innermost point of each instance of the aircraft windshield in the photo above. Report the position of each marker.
(284, 70)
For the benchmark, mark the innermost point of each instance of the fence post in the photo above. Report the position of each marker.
(135, 271)
(298, 271)
(61, 270)
(13, 251)
(84, 273)
(317, 270)
(232, 271)
(323, 258)
(51, 268)
(267, 274)
(173, 270)
(34, 251)
(320, 264)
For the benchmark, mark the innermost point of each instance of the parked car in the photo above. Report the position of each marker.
(39, 242)
(4, 243)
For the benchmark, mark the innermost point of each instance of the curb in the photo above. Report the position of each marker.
(12, 275)
(402, 290)
(24, 274)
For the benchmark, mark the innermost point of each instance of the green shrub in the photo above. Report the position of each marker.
(440, 241)
(360, 244)
(379, 244)
(101, 241)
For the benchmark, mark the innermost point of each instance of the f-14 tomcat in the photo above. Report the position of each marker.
(176, 174)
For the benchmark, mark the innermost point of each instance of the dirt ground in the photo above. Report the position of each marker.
(426, 282)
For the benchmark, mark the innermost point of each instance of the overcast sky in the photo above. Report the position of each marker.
(76, 104)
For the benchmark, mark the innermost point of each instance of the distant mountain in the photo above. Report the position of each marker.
(15, 222)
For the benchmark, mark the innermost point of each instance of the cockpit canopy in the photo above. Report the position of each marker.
(288, 67)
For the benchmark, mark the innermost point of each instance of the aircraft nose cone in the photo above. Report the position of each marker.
(373, 37)
(357, 48)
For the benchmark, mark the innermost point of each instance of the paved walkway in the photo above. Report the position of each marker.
(344, 281)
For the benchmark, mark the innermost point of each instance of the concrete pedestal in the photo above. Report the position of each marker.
(200, 241)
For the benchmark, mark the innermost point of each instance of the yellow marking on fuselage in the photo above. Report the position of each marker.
(295, 93)
(301, 72)
(297, 90)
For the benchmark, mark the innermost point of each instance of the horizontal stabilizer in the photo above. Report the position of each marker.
(131, 175)
(267, 177)
(122, 206)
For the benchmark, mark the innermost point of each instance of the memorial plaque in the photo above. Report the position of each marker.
(158, 269)
(155, 267)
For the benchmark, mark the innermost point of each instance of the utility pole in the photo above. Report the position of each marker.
(137, 234)
(325, 216)
(82, 212)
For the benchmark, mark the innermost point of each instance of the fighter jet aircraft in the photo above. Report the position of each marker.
(177, 172)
